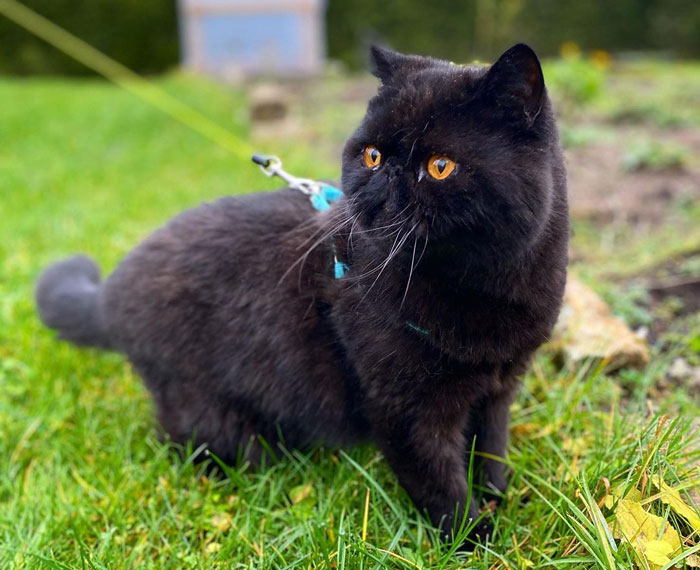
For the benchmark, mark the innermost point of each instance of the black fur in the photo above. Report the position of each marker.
(67, 296)
(232, 316)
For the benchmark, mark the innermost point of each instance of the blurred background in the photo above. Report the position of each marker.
(85, 165)
(88, 166)
(155, 36)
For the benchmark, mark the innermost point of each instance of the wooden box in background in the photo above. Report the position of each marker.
(230, 38)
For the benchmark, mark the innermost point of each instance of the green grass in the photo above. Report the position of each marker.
(85, 481)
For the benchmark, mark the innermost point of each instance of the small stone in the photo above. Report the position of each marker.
(693, 383)
(587, 329)
(268, 102)
(680, 369)
(642, 332)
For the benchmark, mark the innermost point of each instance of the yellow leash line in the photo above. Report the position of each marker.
(100, 63)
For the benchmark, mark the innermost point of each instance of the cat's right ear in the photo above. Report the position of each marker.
(516, 83)
(386, 63)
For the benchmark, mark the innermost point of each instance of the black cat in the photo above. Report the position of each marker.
(454, 230)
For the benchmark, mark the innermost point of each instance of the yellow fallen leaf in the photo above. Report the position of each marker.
(547, 430)
(221, 522)
(609, 501)
(213, 547)
(643, 531)
(525, 428)
(658, 552)
(632, 494)
(577, 445)
(672, 497)
(301, 492)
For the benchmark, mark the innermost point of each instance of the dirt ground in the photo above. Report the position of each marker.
(601, 190)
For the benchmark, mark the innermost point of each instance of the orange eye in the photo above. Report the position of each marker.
(371, 156)
(440, 167)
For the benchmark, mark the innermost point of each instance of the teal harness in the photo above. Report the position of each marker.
(321, 196)
(321, 202)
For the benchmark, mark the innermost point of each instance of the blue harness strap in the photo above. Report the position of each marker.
(339, 268)
(321, 202)
(326, 196)
(418, 329)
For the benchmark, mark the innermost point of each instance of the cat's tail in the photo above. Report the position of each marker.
(67, 297)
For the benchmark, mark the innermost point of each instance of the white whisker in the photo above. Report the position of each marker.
(410, 273)
(392, 254)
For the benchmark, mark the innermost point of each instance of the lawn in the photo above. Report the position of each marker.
(86, 482)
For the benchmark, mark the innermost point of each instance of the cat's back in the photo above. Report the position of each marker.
(217, 311)
(203, 265)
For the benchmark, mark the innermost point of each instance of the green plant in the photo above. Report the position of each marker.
(578, 136)
(631, 304)
(660, 113)
(653, 155)
(574, 79)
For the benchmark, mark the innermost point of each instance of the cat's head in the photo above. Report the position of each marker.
(462, 154)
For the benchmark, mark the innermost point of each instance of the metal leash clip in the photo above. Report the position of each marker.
(272, 166)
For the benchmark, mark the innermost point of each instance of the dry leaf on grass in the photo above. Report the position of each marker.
(221, 522)
(673, 498)
(652, 537)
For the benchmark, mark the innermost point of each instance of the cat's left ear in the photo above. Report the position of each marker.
(516, 82)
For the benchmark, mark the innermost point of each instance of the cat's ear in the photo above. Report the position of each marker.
(386, 63)
(516, 83)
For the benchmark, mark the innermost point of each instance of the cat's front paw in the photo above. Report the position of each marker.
(494, 493)
(479, 534)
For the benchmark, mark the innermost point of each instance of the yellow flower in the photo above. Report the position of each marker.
(601, 59)
(570, 50)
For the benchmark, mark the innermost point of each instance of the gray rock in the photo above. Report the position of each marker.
(587, 330)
